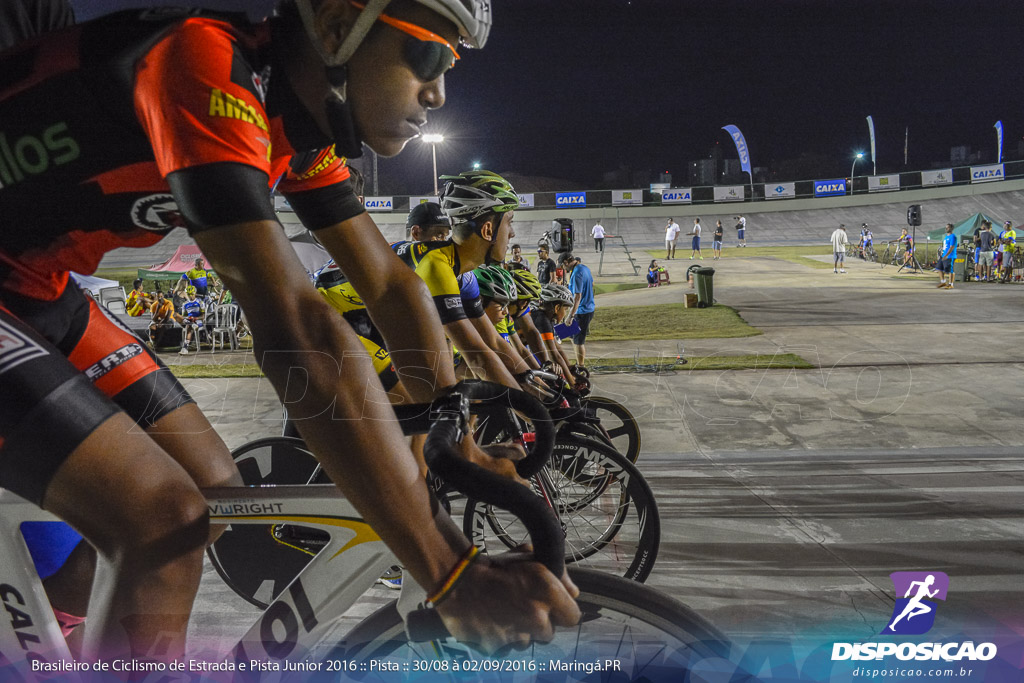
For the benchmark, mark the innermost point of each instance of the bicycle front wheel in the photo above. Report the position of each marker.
(604, 504)
(619, 425)
(651, 635)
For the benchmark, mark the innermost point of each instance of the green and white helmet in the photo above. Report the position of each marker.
(556, 294)
(472, 194)
(496, 284)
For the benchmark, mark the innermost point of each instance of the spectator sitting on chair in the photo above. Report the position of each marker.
(196, 277)
(138, 301)
(191, 319)
(162, 312)
(652, 274)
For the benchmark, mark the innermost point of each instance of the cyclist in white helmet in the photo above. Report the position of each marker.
(189, 122)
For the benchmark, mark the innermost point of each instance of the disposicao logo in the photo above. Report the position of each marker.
(914, 614)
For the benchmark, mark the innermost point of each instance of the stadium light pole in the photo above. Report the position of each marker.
(433, 140)
(860, 155)
(476, 165)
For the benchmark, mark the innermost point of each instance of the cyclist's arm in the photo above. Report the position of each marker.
(296, 334)
(531, 334)
(559, 355)
(398, 302)
(486, 360)
(523, 352)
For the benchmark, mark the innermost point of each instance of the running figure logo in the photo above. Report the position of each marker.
(914, 613)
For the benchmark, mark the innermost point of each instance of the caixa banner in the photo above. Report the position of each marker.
(379, 203)
(985, 174)
(680, 195)
(829, 188)
(569, 200)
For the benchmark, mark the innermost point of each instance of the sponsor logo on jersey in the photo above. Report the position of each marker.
(230, 107)
(452, 302)
(34, 155)
(157, 212)
(327, 157)
(16, 348)
(112, 361)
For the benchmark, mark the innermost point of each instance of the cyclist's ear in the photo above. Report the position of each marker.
(334, 18)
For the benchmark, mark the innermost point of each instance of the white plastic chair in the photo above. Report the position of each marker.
(109, 294)
(224, 323)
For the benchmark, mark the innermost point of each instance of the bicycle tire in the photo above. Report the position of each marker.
(658, 636)
(605, 505)
(277, 460)
(622, 429)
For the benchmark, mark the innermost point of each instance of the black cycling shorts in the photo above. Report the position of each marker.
(66, 366)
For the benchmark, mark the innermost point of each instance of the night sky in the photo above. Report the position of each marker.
(574, 88)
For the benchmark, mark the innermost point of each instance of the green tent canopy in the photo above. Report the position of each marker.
(967, 226)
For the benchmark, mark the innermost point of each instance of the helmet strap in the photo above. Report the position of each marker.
(347, 140)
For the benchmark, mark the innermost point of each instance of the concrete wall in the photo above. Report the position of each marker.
(794, 221)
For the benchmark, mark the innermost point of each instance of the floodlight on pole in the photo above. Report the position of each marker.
(476, 165)
(860, 155)
(433, 140)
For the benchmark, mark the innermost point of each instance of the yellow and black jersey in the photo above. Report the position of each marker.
(437, 264)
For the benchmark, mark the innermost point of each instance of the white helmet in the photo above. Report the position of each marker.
(472, 17)
(556, 294)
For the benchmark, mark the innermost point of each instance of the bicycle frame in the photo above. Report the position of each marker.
(292, 626)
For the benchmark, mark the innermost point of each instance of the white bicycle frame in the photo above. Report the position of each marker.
(291, 626)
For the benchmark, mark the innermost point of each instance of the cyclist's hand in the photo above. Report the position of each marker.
(509, 600)
(497, 458)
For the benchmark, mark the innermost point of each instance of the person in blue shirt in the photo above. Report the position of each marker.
(195, 277)
(947, 254)
(581, 284)
(191, 319)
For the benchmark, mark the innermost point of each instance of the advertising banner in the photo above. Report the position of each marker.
(415, 201)
(526, 201)
(780, 191)
(680, 195)
(940, 177)
(658, 188)
(985, 174)
(729, 193)
(627, 197)
(571, 200)
(999, 141)
(871, 130)
(829, 188)
(741, 148)
(883, 183)
(379, 203)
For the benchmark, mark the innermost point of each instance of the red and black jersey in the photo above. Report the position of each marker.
(113, 133)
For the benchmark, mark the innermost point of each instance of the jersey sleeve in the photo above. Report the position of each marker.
(469, 291)
(544, 326)
(437, 272)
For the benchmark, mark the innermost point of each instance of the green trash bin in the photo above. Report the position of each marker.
(703, 282)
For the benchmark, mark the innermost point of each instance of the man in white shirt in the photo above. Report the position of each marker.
(839, 243)
(671, 233)
(741, 230)
(598, 232)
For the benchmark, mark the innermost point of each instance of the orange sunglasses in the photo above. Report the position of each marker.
(429, 55)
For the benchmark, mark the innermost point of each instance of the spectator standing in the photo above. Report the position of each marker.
(908, 250)
(947, 254)
(1009, 241)
(581, 284)
(987, 243)
(517, 257)
(598, 232)
(695, 242)
(839, 242)
(976, 242)
(741, 231)
(545, 266)
(671, 233)
(716, 241)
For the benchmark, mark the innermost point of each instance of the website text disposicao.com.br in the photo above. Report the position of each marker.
(902, 673)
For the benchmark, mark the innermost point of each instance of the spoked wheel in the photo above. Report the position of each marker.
(652, 635)
(619, 425)
(606, 508)
(258, 562)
